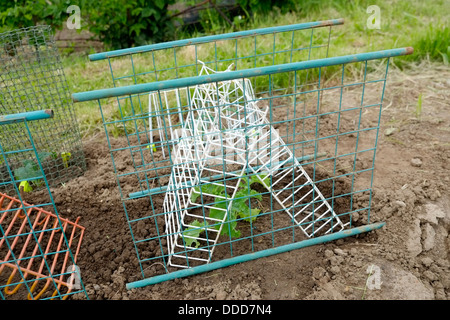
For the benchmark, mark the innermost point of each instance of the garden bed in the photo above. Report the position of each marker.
(410, 195)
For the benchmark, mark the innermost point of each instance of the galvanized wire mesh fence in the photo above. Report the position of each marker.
(38, 248)
(32, 78)
(229, 161)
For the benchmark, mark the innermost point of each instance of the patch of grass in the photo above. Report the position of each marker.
(84, 75)
(434, 45)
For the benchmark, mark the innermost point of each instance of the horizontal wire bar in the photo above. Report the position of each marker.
(253, 256)
(28, 116)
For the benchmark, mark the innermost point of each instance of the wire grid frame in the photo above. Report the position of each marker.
(32, 78)
(321, 139)
(38, 247)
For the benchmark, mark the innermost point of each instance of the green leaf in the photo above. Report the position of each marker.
(255, 194)
(245, 194)
(241, 209)
(194, 232)
(257, 179)
(28, 172)
(25, 186)
(246, 182)
(209, 188)
(218, 212)
(136, 28)
(265, 178)
(29, 164)
(240, 205)
(136, 11)
(160, 3)
(66, 157)
(253, 214)
(218, 190)
(229, 228)
(44, 155)
(195, 194)
(230, 223)
(147, 12)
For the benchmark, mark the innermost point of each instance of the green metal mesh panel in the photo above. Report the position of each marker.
(325, 127)
(249, 157)
(32, 78)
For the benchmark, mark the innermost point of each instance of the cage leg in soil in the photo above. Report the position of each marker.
(32, 79)
(38, 247)
(235, 163)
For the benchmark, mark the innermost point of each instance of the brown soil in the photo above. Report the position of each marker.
(411, 194)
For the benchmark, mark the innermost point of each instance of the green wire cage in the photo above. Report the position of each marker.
(241, 145)
(31, 79)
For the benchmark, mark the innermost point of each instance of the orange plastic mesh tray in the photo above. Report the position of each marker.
(38, 250)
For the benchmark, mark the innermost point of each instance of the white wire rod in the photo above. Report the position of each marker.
(288, 170)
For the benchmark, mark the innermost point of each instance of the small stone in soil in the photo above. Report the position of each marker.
(416, 162)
